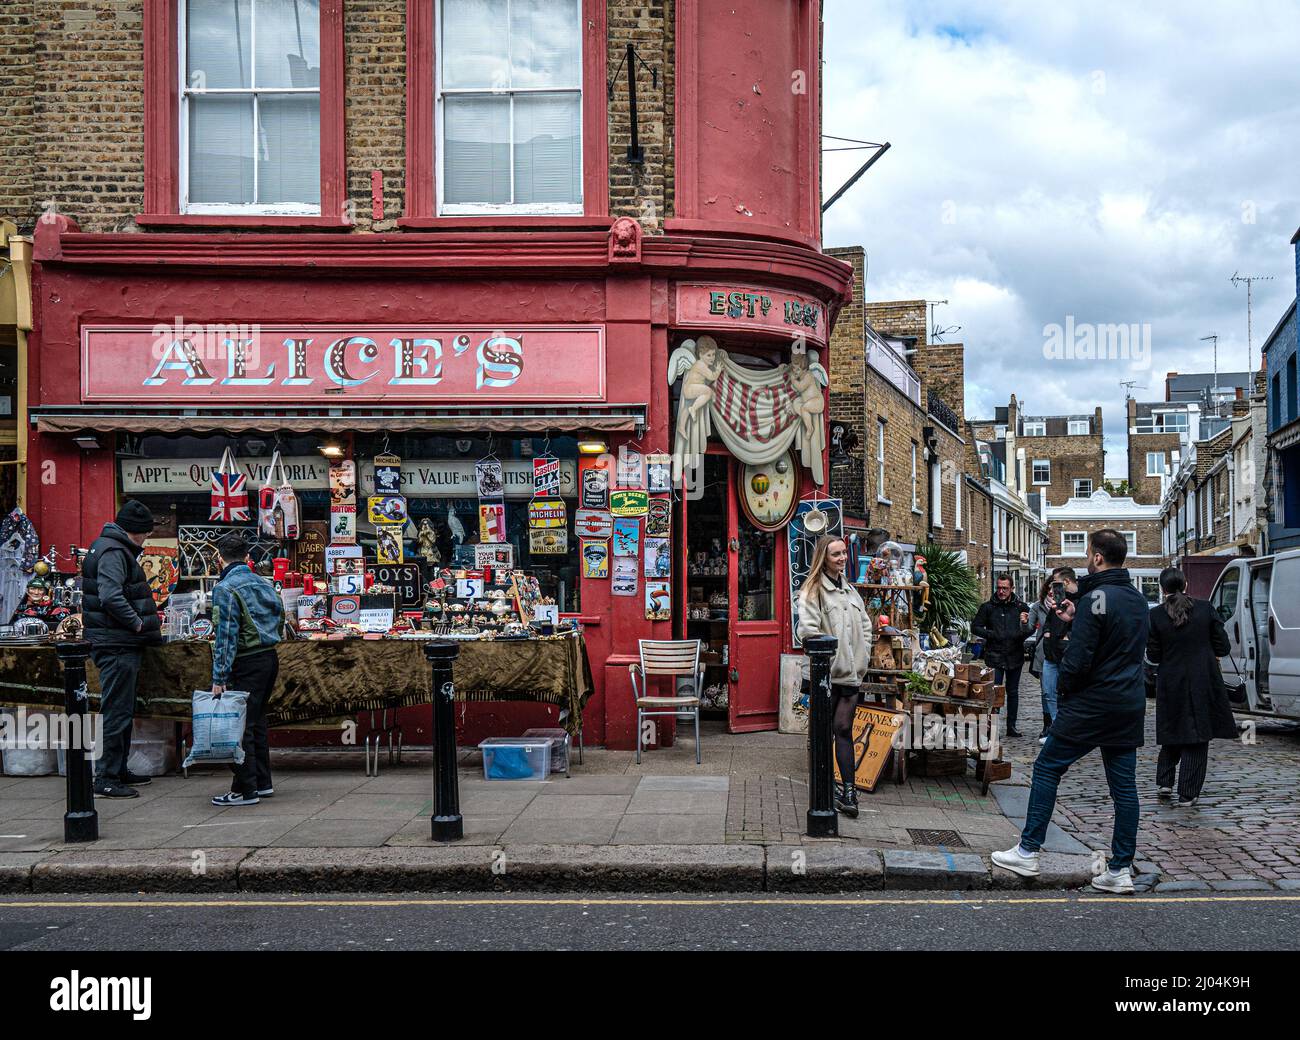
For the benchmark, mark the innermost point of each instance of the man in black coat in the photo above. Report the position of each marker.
(121, 619)
(1101, 704)
(1003, 624)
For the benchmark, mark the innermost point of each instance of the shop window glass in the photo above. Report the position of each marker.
(510, 105)
(755, 579)
(251, 106)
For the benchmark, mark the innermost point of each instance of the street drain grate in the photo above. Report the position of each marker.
(920, 836)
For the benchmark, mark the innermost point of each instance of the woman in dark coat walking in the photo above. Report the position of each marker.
(1187, 639)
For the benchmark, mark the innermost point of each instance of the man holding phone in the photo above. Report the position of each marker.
(1064, 588)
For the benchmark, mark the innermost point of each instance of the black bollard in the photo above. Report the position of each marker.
(447, 824)
(81, 821)
(823, 822)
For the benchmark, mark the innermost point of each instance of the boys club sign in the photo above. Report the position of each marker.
(326, 363)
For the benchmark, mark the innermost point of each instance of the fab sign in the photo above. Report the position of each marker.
(346, 361)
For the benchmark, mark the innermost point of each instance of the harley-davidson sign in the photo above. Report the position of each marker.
(332, 363)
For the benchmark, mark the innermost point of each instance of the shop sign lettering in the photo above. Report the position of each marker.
(721, 307)
(343, 363)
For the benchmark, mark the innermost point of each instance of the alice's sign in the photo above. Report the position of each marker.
(758, 310)
(268, 364)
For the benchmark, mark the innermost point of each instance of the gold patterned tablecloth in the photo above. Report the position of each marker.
(323, 678)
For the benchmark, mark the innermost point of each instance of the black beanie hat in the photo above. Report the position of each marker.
(134, 517)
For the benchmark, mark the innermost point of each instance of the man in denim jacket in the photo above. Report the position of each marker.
(249, 619)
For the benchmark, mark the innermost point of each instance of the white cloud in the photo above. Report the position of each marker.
(1087, 159)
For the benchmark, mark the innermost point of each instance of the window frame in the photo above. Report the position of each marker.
(880, 462)
(164, 189)
(1157, 455)
(1065, 549)
(1133, 547)
(1039, 428)
(1083, 480)
(1033, 472)
(1070, 430)
(423, 188)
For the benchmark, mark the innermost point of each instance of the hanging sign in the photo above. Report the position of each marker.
(659, 518)
(658, 558)
(343, 523)
(546, 476)
(491, 483)
(388, 475)
(491, 522)
(386, 509)
(767, 492)
(550, 541)
(659, 473)
(593, 523)
(191, 475)
(658, 601)
(389, 547)
(758, 412)
(629, 468)
(498, 555)
(343, 501)
(627, 537)
(629, 503)
(595, 558)
(334, 553)
(309, 550)
(546, 512)
(595, 484)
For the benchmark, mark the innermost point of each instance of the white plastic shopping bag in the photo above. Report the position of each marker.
(218, 727)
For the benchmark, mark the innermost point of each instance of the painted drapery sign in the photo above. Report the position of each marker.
(757, 412)
(757, 310)
(374, 363)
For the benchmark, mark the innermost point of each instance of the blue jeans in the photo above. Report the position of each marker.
(1121, 775)
(1011, 677)
(1048, 682)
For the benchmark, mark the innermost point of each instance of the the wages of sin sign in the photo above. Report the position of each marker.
(328, 363)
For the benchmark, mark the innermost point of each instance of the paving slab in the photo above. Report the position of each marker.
(1182, 886)
(1241, 885)
(144, 870)
(251, 832)
(818, 867)
(604, 784)
(478, 830)
(914, 868)
(656, 829)
(587, 830)
(338, 833)
(573, 806)
(680, 803)
(683, 783)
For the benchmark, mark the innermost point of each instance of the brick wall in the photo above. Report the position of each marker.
(72, 100)
(848, 389)
(1150, 553)
(1070, 458)
(17, 44)
(904, 423)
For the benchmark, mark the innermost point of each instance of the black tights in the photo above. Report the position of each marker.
(846, 703)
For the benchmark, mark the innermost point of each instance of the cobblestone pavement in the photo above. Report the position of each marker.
(1245, 827)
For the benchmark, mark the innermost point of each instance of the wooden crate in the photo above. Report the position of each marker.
(992, 771)
(959, 688)
(938, 763)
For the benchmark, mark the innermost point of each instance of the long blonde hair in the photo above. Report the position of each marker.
(812, 586)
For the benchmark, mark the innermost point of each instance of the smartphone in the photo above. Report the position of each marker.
(1058, 591)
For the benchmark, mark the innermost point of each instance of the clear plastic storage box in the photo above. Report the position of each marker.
(559, 739)
(516, 758)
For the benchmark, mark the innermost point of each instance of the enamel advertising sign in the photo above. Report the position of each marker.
(218, 364)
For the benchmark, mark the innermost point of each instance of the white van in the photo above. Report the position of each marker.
(1259, 601)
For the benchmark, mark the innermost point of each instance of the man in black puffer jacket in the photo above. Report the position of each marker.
(1101, 704)
(121, 620)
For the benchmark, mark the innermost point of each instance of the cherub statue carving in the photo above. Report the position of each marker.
(700, 361)
(808, 377)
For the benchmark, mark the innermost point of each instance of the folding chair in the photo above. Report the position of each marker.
(674, 658)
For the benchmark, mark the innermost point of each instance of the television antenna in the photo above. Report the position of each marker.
(937, 333)
(1215, 339)
(1249, 279)
(1129, 386)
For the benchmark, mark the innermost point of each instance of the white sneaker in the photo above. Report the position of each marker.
(1017, 861)
(1188, 803)
(1042, 740)
(1165, 793)
(1119, 882)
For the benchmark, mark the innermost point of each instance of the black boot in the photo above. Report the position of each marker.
(846, 800)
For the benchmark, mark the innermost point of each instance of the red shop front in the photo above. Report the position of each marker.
(151, 353)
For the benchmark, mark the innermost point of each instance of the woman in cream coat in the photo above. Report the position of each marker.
(830, 606)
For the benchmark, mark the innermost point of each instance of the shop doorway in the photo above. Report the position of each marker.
(732, 578)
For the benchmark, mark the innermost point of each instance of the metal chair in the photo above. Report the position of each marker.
(676, 658)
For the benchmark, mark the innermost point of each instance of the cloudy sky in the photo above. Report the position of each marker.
(1110, 161)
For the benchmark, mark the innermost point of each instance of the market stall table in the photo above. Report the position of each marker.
(326, 678)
